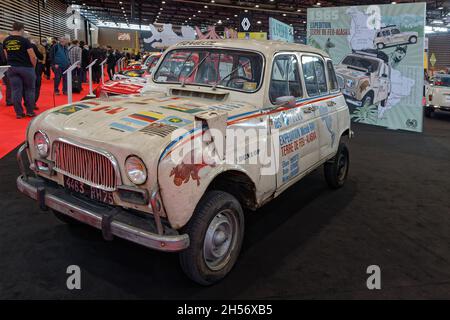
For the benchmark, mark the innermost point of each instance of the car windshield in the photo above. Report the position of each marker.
(361, 62)
(231, 69)
(442, 81)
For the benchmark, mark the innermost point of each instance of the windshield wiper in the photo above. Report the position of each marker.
(195, 68)
(182, 67)
(232, 71)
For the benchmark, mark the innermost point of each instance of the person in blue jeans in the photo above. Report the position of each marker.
(22, 77)
(59, 56)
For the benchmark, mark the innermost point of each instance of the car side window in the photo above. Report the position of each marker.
(332, 80)
(395, 31)
(314, 75)
(285, 79)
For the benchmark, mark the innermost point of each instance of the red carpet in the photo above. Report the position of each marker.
(13, 130)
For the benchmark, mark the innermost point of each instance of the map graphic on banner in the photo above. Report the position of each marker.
(280, 31)
(378, 55)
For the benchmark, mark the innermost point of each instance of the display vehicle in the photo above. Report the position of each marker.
(366, 77)
(437, 94)
(129, 81)
(391, 36)
(153, 168)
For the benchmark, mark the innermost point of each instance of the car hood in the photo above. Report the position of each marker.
(349, 73)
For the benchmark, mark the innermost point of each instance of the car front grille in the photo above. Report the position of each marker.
(87, 166)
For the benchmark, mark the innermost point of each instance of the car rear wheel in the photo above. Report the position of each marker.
(336, 169)
(367, 100)
(380, 45)
(428, 112)
(216, 232)
(412, 39)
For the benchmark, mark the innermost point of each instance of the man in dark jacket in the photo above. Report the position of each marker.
(60, 62)
(96, 53)
(111, 62)
(84, 60)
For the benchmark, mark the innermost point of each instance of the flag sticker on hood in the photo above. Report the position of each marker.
(182, 108)
(128, 124)
(147, 116)
(176, 121)
(158, 129)
(68, 110)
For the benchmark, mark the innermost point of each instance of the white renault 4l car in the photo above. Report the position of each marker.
(174, 168)
(392, 36)
(437, 94)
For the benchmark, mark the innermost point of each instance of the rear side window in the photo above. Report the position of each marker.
(332, 80)
(285, 80)
(314, 74)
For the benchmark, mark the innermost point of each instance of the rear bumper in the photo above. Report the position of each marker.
(112, 221)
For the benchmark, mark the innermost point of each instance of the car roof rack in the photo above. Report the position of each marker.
(373, 53)
(389, 26)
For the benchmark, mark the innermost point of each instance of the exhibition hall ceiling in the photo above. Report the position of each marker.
(224, 13)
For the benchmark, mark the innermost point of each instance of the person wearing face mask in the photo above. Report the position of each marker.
(22, 59)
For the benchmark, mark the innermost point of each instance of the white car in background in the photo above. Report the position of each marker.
(392, 36)
(437, 94)
(120, 164)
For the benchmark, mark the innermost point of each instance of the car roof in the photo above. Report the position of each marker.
(267, 47)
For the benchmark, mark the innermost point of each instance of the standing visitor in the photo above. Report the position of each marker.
(75, 53)
(3, 62)
(60, 62)
(39, 51)
(84, 60)
(96, 53)
(22, 59)
(111, 62)
(47, 47)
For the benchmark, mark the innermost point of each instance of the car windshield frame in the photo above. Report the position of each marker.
(364, 58)
(211, 50)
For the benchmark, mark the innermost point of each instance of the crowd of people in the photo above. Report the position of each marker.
(31, 58)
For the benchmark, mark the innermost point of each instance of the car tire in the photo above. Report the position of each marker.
(336, 169)
(216, 232)
(367, 99)
(64, 218)
(412, 39)
(380, 46)
(428, 112)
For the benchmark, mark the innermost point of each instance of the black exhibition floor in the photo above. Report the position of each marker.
(311, 242)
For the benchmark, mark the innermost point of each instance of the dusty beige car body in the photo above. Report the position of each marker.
(361, 86)
(103, 129)
(437, 94)
(392, 36)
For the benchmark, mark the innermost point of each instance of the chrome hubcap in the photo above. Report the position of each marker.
(220, 240)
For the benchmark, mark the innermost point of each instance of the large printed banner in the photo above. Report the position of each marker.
(280, 31)
(378, 54)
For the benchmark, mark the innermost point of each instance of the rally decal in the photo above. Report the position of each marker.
(158, 129)
(147, 116)
(68, 110)
(176, 121)
(182, 108)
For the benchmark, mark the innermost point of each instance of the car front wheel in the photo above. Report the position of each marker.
(216, 232)
(336, 169)
(380, 45)
(412, 39)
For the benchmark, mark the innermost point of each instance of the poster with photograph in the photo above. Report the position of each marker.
(378, 55)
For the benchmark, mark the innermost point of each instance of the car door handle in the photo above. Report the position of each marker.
(309, 109)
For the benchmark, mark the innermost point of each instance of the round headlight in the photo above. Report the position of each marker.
(136, 170)
(42, 144)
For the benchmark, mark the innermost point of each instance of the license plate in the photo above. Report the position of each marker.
(88, 191)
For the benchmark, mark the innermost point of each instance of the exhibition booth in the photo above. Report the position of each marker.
(277, 150)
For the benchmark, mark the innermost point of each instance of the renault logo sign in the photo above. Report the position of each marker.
(245, 24)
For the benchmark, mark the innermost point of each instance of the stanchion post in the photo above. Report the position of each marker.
(91, 91)
(102, 65)
(68, 72)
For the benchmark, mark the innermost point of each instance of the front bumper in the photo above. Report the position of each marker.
(140, 229)
(353, 101)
